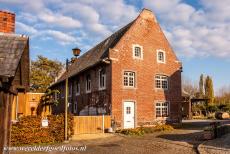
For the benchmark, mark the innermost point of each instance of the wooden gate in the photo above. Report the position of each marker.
(91, 124)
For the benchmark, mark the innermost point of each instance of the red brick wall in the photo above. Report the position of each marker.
(7, 22)
(146, 32)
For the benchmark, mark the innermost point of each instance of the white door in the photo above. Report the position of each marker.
(129, 115)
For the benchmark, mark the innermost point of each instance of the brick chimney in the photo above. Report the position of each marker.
(148, 14)
(7, 22)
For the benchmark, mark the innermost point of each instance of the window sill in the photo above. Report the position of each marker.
(161, 62)
(88, 92)
(162, 118)
(129, 88)
(102, 88)
(137, 58)
(160, 89)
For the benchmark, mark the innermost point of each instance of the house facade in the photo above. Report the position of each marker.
(133, 75)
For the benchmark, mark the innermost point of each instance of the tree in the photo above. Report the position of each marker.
(209, 92)
(201, 86)
(43, 73)
(189, 86)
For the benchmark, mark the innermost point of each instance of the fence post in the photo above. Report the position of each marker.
(103, 123)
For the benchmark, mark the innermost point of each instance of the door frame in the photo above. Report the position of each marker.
(135, 113)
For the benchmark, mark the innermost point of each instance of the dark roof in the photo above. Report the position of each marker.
(11, 49)
(94, 55)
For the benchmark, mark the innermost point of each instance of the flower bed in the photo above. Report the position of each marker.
(145, 130)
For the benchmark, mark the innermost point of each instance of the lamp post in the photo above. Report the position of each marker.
(76, 53)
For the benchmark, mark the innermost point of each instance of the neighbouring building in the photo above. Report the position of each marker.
(133, 75)
(14, 72)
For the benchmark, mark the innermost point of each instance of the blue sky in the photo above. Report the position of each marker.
(198, 30)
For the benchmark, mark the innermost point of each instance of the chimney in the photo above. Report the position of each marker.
(148, 14)
(7, 22)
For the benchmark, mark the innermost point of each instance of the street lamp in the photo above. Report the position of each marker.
(76, 53)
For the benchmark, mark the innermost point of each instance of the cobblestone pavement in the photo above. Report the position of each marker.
(180, 141)
(175, 142)
(217, 146)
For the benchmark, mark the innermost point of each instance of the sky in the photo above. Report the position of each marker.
(198, 30)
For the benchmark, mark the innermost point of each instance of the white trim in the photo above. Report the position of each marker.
(99, 85)
(159, 61)
(133, 50)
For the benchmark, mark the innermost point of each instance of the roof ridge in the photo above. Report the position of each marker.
(95, 54)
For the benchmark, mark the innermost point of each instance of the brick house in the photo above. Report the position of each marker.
(133, 75)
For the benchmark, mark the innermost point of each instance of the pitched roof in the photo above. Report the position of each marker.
(94, 55)
(11, 49)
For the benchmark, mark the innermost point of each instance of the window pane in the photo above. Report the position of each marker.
(129, 79)
(128, 110)
(137, 52)
(158, 112)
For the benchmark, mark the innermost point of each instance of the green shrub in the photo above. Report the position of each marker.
(164, 127)
(28, 130)
(136, 131)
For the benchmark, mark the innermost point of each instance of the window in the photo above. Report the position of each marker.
(88, 84)
(70, 90)
(161, 82)
(160, 56)
(137, 52)
(162, 109)
(75, 107)
(102, 79)
(78, 87)
(128, 110)
(129, 79)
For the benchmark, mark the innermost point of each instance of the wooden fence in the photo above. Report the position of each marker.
(91, 124)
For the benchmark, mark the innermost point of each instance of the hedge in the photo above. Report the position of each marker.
(28, 130)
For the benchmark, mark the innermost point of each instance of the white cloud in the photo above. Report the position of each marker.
(63, 38)
(59, 20)
(23, 28)
(195, 32)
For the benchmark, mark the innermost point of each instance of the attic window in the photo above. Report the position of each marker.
(137, 51)
(160, 56)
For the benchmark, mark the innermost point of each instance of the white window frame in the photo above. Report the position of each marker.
(161, 107)
(103, 76)
(135, 57)
(129, 77)
(161, 79)
(164, 58)
(78, 88)
(86, 85)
